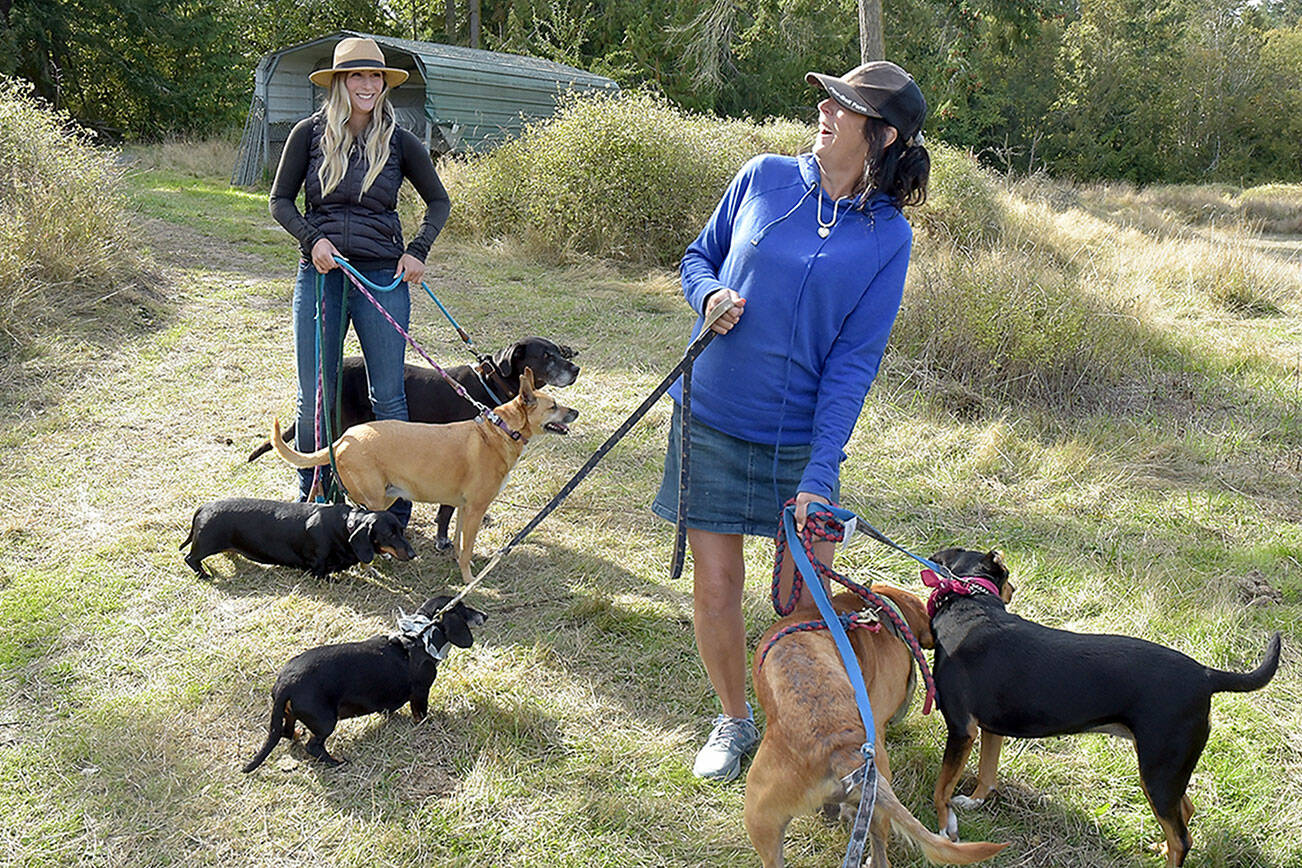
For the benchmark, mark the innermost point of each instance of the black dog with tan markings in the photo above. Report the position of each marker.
(1011, 677)
(316, 537)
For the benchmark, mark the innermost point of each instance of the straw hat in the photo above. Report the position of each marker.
(358, 52)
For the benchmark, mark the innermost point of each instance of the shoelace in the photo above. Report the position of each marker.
(726, 730)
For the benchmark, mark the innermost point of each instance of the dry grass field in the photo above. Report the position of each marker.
(1107, 385)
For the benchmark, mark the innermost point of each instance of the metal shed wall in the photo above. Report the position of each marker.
(456, 99)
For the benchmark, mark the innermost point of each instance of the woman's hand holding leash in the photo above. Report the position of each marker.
(730, 317)
(323, 255)
(411, 269)
(803, 500)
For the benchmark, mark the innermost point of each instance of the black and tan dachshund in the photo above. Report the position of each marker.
(320, 538)
(1011, 677)
(324, 685)
(431, 399)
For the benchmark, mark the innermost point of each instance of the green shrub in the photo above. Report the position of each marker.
(62, 217)
(962, 199)
(625, 177)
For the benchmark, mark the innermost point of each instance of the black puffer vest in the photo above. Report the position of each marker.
(368, 231)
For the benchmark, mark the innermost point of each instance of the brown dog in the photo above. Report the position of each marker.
(813, 732)
(463, 464)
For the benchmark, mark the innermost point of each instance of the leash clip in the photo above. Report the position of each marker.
(849, 528)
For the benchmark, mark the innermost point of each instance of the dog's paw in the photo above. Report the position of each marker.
(951, 826)
(963, 803)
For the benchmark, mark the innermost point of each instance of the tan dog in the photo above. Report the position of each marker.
(813, 732)
(463, 464)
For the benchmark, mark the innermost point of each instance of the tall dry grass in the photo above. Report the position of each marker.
(64, 227)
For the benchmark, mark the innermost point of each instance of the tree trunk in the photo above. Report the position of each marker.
(450, 19)
(872, 45)
(474, 23)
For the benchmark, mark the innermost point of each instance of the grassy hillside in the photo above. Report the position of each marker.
(1105, 383)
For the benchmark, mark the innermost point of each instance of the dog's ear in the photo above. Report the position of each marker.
(508, 360)
(994, 561)
(915, 613)
(433, 604)
(527, 387)
(359, 538)
(455, 628)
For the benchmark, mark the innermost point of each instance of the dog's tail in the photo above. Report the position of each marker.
(1242, 682)
(275, 732)
(296, 459)
(937, 848)
(265, 446)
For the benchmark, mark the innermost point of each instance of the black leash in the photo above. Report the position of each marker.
(684, 462)
(702, 341)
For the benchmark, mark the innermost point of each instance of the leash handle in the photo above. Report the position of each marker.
(719, 310)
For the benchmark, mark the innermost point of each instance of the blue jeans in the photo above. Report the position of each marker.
(382, 347)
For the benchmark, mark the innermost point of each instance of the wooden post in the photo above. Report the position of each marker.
(872, 44)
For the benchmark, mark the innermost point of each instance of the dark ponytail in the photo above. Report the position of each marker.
(900, 170)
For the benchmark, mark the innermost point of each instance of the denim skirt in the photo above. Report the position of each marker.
(734, 486)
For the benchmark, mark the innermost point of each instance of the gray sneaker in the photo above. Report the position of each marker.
(730, 740)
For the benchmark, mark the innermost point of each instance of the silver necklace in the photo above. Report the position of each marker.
(825, 229)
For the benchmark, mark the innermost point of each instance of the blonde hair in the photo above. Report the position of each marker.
(337, 138)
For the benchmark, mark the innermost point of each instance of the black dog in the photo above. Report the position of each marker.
(325, 685)
(311, 536)
(1012, 677)
(431, 399)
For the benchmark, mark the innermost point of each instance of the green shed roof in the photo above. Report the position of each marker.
(476, 98)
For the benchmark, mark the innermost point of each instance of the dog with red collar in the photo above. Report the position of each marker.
(1007, 676)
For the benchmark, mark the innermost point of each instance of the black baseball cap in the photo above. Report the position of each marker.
(878, 89)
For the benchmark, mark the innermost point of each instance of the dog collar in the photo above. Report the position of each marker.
(416, 629)
(966, 586)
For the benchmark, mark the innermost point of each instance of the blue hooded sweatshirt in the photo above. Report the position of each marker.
(797, 366)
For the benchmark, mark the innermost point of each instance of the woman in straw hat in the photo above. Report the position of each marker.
(813, 251)
(352, 158)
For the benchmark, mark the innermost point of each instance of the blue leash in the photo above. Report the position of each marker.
(465, 337)
(868, 777)
(939, 569)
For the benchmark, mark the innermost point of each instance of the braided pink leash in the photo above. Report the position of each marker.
(827, 528)
(486, 412)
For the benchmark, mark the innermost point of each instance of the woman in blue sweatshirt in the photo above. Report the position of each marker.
(813, 251)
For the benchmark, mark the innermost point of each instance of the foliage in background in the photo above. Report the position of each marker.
(627, 177)
(1141, 90)
(131, 67)
(63, 223)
